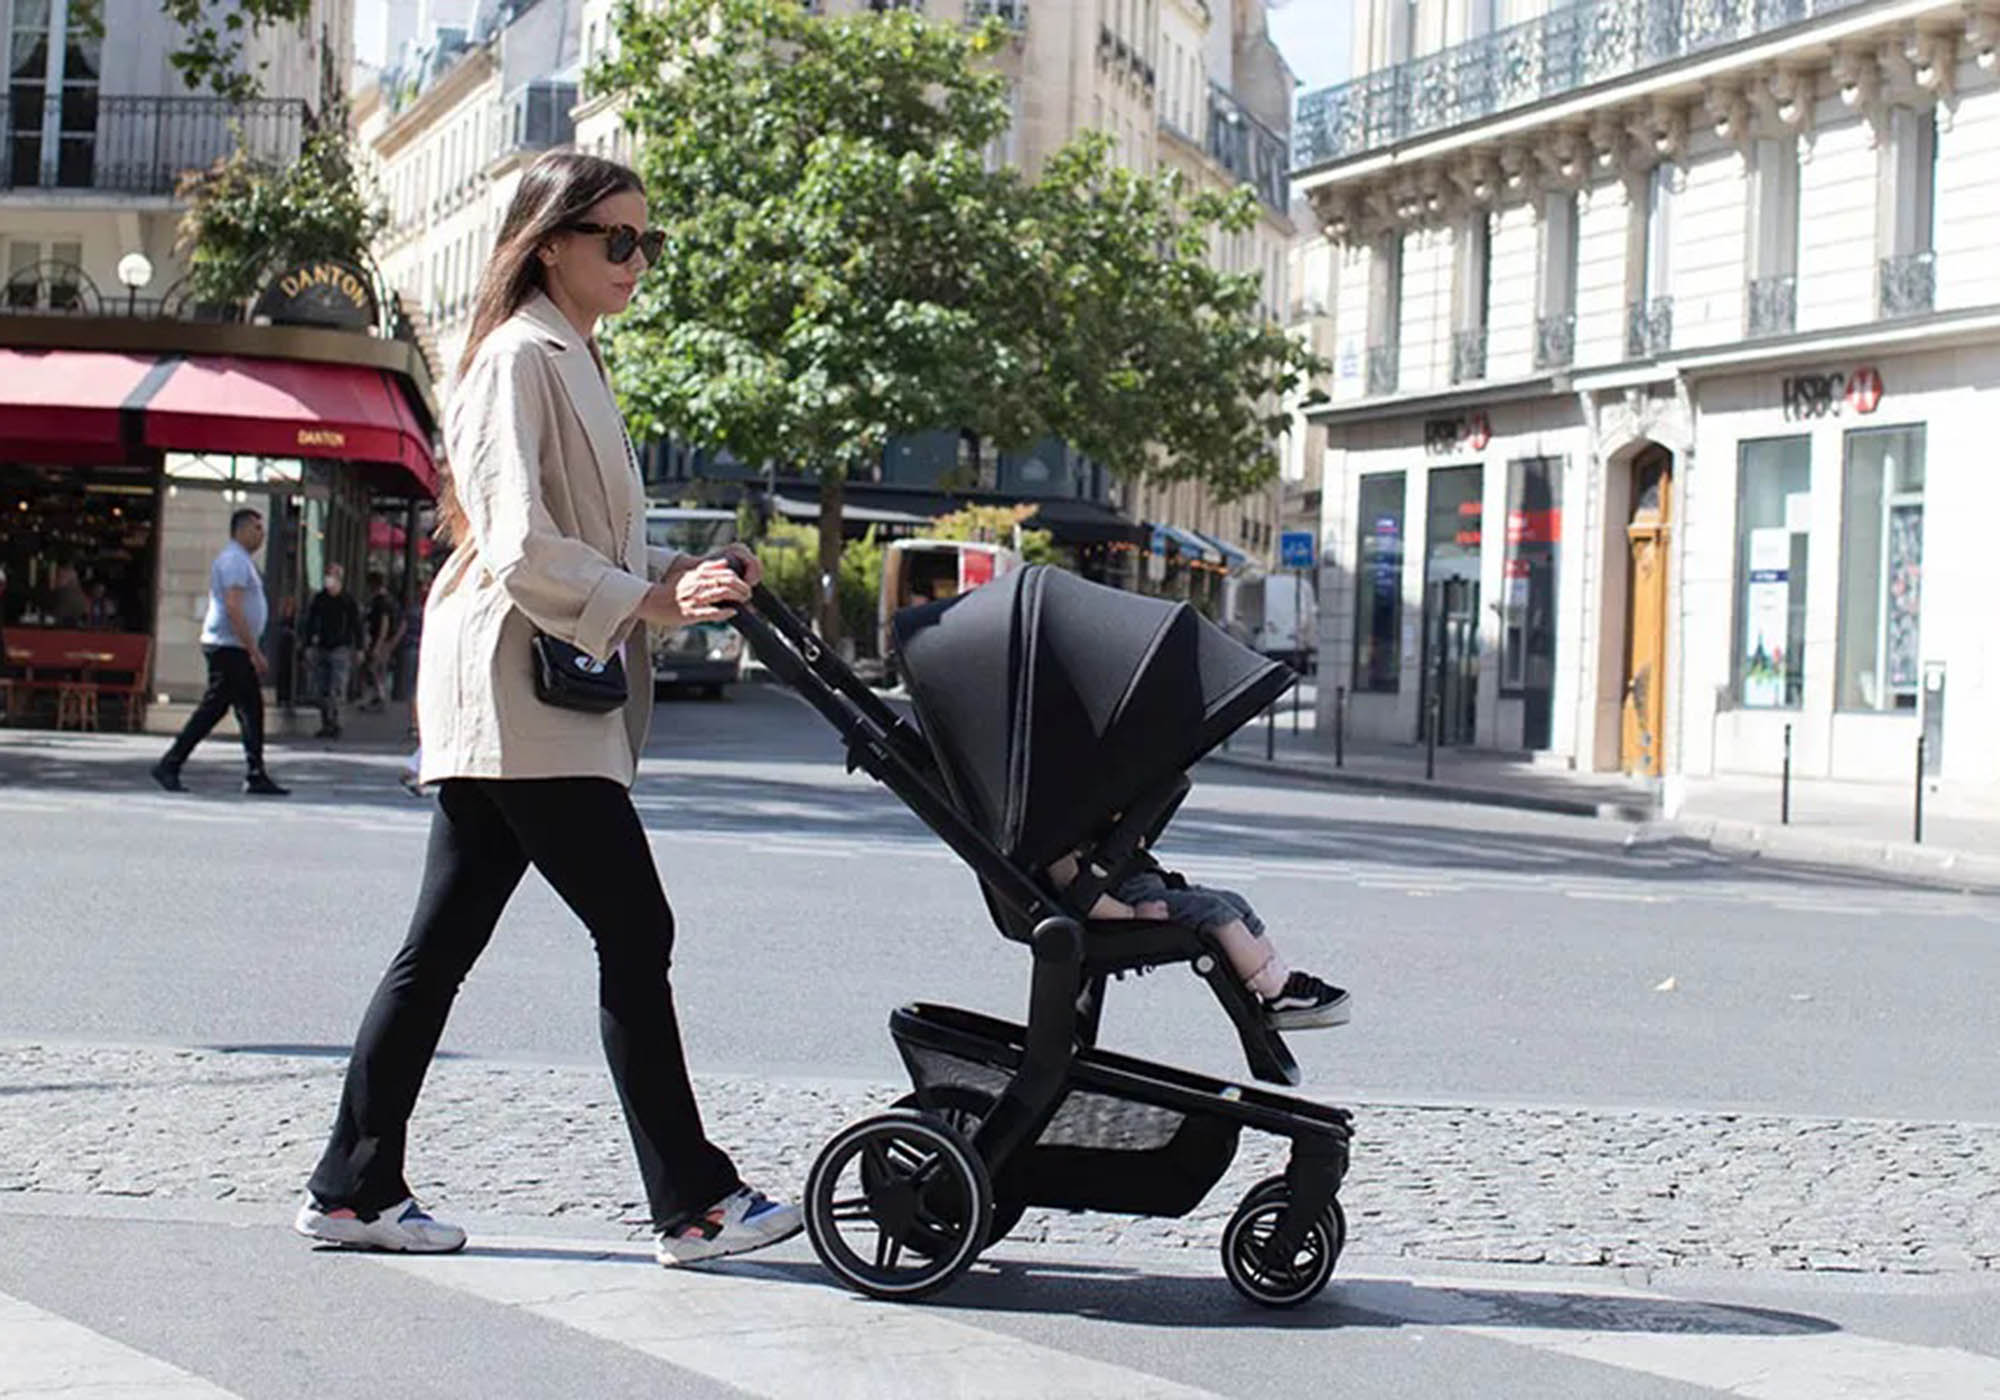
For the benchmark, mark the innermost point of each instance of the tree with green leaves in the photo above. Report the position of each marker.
(842, 265)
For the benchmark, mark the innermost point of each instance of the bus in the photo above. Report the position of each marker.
(703, 657)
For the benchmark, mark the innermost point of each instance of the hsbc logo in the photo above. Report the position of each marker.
(1857, 391)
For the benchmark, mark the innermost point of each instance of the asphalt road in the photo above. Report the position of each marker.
(1494, 956)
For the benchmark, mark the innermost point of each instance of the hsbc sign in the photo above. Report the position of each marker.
(1831, 395)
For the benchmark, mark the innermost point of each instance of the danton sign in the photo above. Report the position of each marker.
(1823, 394)
(324, 293)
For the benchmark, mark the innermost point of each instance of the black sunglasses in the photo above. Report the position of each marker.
(622, 240)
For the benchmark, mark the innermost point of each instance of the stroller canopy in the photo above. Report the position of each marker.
(1052, 703)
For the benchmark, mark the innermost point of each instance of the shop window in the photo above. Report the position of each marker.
(1378, 592)
(1528, 600)
(1773, 518)
(1881, 569)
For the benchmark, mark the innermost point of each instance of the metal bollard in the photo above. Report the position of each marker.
(1431, 740)
(1785, 783)
(1298, 694)
(1339, 726)
(1920, 790)
(1271, 733)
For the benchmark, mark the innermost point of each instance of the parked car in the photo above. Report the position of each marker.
(703, 657)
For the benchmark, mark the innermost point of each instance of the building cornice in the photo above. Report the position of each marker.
(443, 96)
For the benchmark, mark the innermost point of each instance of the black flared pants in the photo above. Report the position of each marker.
(584, 837)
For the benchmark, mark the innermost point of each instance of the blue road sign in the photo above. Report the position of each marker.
(1295, 549)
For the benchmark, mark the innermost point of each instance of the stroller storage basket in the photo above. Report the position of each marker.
(1127, 1137)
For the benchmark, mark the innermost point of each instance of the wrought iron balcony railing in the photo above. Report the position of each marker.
(1555, 341)
(1773, 306)
(143, 145)
(1012, 13)
(1247, 148)
(1649, 328)
(1382, 362)
(1468, 355)
(1566, 49)
(1909, 284)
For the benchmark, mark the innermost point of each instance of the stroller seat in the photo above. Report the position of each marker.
(1057, 717)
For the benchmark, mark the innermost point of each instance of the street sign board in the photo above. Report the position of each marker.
(1295, 549)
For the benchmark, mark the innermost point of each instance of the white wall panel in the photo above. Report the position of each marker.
(1968, 199)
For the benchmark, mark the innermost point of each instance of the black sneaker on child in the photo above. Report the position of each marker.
(1305, 1003)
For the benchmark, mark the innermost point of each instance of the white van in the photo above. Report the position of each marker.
(703, 656)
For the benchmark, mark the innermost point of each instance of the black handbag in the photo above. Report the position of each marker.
(570, 678)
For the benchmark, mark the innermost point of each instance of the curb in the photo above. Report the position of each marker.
(1957, 869)
(1442, 791)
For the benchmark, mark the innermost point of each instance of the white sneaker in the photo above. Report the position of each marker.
(404, 1228)
(739, 1222)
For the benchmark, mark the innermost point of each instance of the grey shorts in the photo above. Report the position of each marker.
(1194, 906)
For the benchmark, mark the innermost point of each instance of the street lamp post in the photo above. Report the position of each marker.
(135, 270)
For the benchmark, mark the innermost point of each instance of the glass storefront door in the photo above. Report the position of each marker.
(1454, 532)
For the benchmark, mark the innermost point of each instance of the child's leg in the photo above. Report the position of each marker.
(1254, 959)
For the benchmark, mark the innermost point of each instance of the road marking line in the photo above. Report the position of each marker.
(763, 1332)
(1748, 1352)
(52, 1358)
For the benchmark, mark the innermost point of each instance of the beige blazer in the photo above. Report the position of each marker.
(557, 540)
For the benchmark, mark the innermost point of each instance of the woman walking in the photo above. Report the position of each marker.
(545, 596)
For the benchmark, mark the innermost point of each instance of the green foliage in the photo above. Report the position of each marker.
(790, 554)
(841, 266)
(996, 525)
(246, 218)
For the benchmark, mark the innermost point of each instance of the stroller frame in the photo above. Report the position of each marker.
(946, 1173)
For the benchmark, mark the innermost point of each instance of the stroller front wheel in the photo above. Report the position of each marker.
(898, 1205)
(1245, 1248)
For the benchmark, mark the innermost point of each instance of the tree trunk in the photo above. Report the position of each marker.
(832, 501)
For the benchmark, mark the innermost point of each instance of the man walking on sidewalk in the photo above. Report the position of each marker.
(331, 633)
(237, 612)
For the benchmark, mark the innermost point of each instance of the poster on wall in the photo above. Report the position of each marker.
(1906, 586)
(1765, 616)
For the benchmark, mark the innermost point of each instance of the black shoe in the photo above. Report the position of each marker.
(167, 776)
(260, 785)
(1305, 1003)
(326, 731)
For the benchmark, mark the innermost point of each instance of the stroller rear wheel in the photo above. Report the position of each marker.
(1279, 1283)
(898, 1205)
(964, 1109)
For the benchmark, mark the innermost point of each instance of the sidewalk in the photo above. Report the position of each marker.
(386, 730)
(1837, 823)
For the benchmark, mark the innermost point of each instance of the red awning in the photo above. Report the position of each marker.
(93, 406)
(66, 405)
(289, 408)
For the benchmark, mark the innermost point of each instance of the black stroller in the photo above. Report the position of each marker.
(1056, 715)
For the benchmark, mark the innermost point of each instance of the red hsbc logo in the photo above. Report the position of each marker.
(1482, 432)
(1856, 391)
(1864, 389)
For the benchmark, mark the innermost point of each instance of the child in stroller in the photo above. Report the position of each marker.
(1292, 1000)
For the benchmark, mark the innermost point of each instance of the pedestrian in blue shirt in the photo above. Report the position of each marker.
(230, 638)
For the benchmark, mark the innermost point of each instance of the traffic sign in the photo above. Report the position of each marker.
(1295, 549)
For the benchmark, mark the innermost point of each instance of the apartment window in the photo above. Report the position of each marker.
(1773, 516)
(52, 91)
(1385, 313)
(1881, 569)
(1774, 236)
(43, 274)
(1555, 294)
(1402, 30)
(1650, 319)
(1378, 583)
(1474, 281)
(1906, 210)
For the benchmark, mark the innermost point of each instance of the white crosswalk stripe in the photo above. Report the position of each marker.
(773, 1338)
(52, 1358)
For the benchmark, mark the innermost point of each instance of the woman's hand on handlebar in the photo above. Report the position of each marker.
(746, 562)
(711, 590)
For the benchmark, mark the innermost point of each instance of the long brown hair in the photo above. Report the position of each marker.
(555, 192)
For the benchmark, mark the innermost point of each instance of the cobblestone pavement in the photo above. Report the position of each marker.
(1522, 1185)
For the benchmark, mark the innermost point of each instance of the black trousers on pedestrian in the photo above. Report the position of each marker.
(232, 684)
(584, 837)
